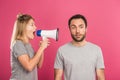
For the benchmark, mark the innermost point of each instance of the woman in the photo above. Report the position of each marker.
(24, 62)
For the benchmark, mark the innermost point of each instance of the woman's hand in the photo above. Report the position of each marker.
(45, 43)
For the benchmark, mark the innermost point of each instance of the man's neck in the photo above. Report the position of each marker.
(79, 44)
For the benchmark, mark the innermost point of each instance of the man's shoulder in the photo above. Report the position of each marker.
(93, 45)
(64, 46)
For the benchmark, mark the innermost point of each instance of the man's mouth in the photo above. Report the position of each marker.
(78, 36)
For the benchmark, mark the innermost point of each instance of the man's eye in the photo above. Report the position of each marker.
(81, 26)
(73, 27)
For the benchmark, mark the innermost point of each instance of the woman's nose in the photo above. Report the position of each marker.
(35, 27)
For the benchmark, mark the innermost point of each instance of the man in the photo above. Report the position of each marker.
(79, 59)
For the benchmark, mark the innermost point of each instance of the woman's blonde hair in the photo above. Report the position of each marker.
(19, 27)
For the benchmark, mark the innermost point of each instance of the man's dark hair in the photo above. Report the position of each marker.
(78, 16)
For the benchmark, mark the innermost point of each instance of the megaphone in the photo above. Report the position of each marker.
(48, 33)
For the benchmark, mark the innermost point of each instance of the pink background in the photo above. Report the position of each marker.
(103, 29)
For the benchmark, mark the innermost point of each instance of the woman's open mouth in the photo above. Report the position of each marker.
(34, 33)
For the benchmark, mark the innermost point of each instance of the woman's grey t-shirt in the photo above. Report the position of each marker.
(79, 63)
(18, 72)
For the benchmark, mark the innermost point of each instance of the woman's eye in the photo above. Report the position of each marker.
(32, 24)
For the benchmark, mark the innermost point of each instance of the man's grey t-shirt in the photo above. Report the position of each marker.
(79, 63)
(18, 72)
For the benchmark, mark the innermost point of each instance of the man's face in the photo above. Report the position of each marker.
(78, 30)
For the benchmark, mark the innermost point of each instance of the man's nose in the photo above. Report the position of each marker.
(77, 30)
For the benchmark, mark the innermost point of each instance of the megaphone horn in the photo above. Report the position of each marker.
(48, 33)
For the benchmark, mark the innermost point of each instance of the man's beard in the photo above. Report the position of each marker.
(80, 40)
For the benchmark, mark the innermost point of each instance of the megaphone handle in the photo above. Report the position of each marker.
(43, 38)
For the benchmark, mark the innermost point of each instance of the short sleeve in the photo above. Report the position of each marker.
(100, 60)
(58, 61)
(19, 49)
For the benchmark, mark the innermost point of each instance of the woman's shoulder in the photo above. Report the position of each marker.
(18, 43)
